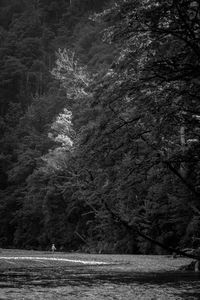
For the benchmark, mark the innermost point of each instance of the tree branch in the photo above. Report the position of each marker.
(134, 228)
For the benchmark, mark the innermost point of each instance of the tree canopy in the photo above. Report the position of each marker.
(104, 102)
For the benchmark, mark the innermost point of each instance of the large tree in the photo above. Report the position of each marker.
(138, 123)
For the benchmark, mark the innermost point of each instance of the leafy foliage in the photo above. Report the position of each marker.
(106, 130)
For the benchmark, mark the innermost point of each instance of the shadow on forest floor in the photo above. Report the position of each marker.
(87, 282)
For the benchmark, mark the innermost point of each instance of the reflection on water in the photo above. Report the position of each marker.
(74, 283)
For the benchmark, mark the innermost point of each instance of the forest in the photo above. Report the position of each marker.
(100, 125)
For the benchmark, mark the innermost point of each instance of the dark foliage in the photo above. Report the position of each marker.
(105, 152)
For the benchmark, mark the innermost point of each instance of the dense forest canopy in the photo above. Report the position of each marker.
(99, 124)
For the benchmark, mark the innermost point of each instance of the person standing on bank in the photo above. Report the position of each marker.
(53, 248)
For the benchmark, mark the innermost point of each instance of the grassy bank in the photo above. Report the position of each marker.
(134, 263)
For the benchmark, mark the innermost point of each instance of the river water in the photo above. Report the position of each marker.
(89, 283)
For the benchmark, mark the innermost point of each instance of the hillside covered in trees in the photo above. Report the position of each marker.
(100, 124)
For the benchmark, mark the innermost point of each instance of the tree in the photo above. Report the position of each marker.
(130, 130)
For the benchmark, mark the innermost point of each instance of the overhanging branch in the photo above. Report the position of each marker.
(134, 228)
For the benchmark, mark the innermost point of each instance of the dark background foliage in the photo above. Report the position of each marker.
(135, 125)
